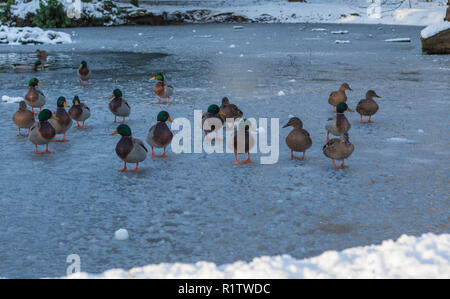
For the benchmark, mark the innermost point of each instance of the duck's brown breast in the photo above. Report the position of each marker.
(159, 89)
(75, 112)
(46, 129)
(124, 147)
(162, 134)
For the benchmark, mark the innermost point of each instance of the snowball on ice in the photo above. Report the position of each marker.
(8, 99)
(341, 41)
(232, 46)
(121, 234)
(318, 29)
(339, 32)
(426, 256)
(281, 93)
(434, 29)
(32, 35)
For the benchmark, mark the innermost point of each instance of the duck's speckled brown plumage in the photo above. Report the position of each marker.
(84, 73)
(368, 106)
(338, 148)
(298, 139)
(339, 96)
(34, 97)
(163, 90)
(230, 110)
(79, 112)
(249, 141)
(23, 118)
(42, 133)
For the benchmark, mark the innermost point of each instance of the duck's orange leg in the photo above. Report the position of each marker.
(248, 160)
(159, 100)
(136, 169)
(236, 162)
(47, 151)
(124, 167)
(79, 81)
(298, 158)
(20, 134)
(164, 153)
(37, 150)
(61, 140)
(168, 100)
(370, 121)
(334, 163)
(328, 138)
(115, 118)
(123, 121)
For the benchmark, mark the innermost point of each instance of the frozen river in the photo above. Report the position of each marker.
(192, 207)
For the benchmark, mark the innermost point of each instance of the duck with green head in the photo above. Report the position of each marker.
(84, 74)
(242, 141)
(339, 149)
(79, 112)
(212, 121)
(339, 124)
(43, 132)
(129, 149)
(231, 112)
(24, 67)
(339, 96)
(118, 106)
(368, 106)
(162, 89)
(159, 135)
(34, 97)
(23, 118)
(64, 122)
(298, 139)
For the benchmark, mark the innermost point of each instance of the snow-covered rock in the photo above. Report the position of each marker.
(8, 99)
(434, 29)
(32, 35)
(436, 38)
(427, 256)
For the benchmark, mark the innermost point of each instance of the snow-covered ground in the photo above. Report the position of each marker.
(419, 13)
(434, 29)
(427, 256)
(32, 35)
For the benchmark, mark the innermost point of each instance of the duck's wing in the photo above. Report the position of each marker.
(138, 142)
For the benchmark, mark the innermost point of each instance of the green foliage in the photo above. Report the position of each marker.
(51, 14)
(5, 10)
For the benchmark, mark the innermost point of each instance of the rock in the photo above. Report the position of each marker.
(437, 44)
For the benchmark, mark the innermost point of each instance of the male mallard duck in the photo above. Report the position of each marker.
(161, 89)
(298, 139)
(23, 118)
(41, 55)
(243, 141)
(34, 97)
(212, 120)
(368, 106)
(339, 124)
(64, 121)
(159, 135)
(338, 149)
(79, 112)
(43, 132)
(118, 106)
(22, 67)
(230, 111)
(84, 73)
(339, 96)
(129, 149)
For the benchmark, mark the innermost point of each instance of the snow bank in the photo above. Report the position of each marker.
(427, 256)
(9, 100)
(32, 35)
(434, 29)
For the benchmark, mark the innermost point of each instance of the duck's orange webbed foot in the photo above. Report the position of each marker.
(136, 169)
(37, 150)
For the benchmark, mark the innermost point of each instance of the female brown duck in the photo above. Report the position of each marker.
(23, 118)
(339, 96)
(368, 106)
(298, 139)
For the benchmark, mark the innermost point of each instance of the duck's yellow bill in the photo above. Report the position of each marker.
(40, 84)
(65, 105)
(54, 117)
(170, 120)
(111, 97)
(114, 133)
(350, 110)
(221, 113)
(152, 78)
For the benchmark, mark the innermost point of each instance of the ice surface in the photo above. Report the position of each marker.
(199, 207)
(409, 257)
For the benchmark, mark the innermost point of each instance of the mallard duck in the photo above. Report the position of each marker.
(298, 139)
(368, 106)
(338, 149)
(339, 96)
(23, 67)
(129, 149)
(64, 121)
(118, 106)
(242, 141)
(41, 55)
(43, 132)
(23, 118)
(159, 135)
(162, 89)
(79, 112)
(84, 74)
(212, 120)
(34, 97)
(230, 111)
(339, 124)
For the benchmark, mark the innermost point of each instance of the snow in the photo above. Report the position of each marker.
(398, 40)
(434, 29)
(399, 140)
(427, 256)
(9, 100)
(32, 35)
(281, 93)
(121, 234)
(342, 41)
(339, 32)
